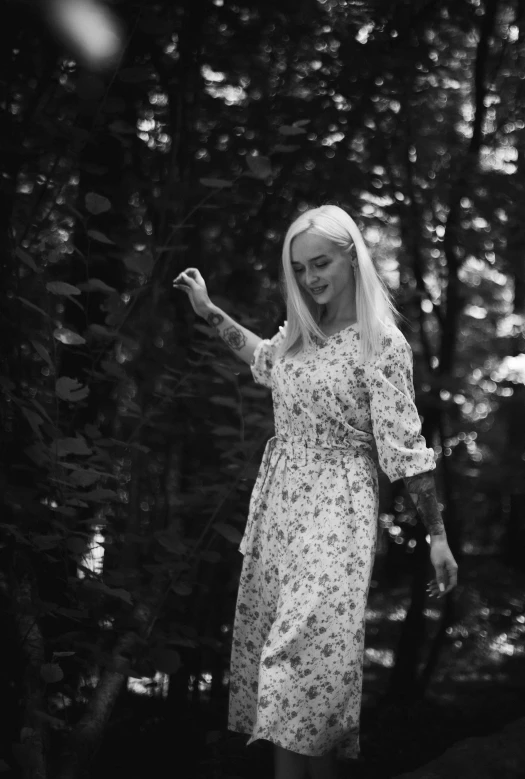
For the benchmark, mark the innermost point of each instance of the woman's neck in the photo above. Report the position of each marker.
(337, 320)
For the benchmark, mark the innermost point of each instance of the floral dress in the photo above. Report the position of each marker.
(310, 538)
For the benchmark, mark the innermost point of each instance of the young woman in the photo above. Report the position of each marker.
(341, 378)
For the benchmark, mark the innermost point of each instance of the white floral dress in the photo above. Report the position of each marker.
(310, 538)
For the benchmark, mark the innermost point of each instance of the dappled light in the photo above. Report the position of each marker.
(140, 139)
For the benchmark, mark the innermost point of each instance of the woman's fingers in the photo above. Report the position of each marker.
(182, 280)
(434, 590)
(189, 277)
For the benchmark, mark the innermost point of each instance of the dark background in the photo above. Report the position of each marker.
(131, 436)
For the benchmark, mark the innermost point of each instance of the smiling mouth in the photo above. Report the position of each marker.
(318, 290)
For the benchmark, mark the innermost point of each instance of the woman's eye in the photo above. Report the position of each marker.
(320, 265)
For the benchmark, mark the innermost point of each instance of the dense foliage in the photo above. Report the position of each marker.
(131, 436)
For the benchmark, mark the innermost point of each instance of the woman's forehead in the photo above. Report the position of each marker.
(307, 245)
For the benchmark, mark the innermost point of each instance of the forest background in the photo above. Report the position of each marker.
(131, 436)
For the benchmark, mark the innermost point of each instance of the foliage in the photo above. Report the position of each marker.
(131, 438)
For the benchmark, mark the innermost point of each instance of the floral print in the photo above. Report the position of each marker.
(310, 538)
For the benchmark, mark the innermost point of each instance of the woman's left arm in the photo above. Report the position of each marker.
(422, 490)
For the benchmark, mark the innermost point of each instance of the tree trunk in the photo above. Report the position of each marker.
(31, 751)
(85, 738)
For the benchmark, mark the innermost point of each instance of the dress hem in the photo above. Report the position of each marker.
(253, 738)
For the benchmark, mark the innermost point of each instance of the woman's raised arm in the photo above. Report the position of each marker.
(239, 339)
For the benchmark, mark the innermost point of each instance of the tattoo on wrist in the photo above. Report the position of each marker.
(234, 338)
(214, 319)
(422, 490)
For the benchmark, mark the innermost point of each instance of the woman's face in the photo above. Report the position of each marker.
(323, 269)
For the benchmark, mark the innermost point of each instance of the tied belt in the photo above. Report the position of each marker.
(303, 452)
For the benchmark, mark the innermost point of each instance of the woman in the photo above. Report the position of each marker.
(341, 377)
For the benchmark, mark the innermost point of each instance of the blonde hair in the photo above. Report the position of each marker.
(375, 309)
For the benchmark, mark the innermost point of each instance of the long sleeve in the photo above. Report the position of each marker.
(264, 356)
(396, 425)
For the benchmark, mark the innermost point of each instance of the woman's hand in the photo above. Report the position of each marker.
(445, 566)
(191, 281)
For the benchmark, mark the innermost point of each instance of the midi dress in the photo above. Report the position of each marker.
(298, 637)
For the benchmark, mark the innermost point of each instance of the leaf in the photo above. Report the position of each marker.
(38, 454)
(66, 336)
(216, 183)
(34, 419)
(62, 288)
(98, 285)
(42, 410)
(51, 673)
(112, 369)
(139, 262)
(170, 542)
(182, 588)
(302, 122)
(97, 204)
(96, 235)
(166, 660)
(229, 532)
(100, 494)
(70, 389)
(83, 478)
(31, 305)
(77, 545)
(42, 351)
(67, 512)
(63, 654)
(224, 372)
(261, 167)
(102, 331)
(92, 430)
(65, 446)
(25, 257)
(287, 129)
(114, 592)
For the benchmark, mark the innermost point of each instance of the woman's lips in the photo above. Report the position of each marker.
(318, 290)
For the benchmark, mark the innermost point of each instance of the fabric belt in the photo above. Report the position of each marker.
(302, 451)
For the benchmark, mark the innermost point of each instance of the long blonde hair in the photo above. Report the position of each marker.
(375, 309)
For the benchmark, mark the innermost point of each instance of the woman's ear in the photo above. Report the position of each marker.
(352, 254)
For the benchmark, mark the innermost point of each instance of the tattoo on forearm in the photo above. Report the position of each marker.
(422, 490)
(215, 319)
(234, 338)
